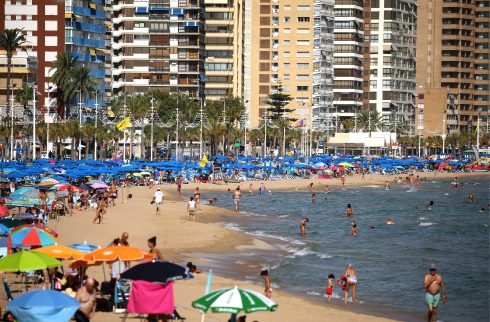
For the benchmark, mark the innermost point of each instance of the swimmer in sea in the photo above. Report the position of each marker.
(302, 226)
(250, 190)
(348, 211)
(313, 198)
(372, 227)
(482, 210)
(387, 186)
(455, 183)
(353, 230)
(390, 221)
(470, 197)
(430, 205)
(326, 189)
(417, 208)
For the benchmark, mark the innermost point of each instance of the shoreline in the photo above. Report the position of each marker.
(181, 240)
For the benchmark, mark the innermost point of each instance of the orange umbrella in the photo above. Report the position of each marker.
(113, 253)
(60, 252)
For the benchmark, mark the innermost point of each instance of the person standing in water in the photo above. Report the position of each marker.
(267, 283)
(236, 199)
(313, 198)
(342, 179)
(353, 230)
(434, 286)
(430, 205)
(329, 289)
(250, 190)
(351, 283)
(302, 226)
(470, 197)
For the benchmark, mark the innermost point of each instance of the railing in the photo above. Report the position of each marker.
(89, 12)
(96, 43)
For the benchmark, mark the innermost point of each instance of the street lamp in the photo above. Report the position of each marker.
(96, 116)
(12, 123)
(79, 124)
(34, 120)
(201, 147)
(151, 134)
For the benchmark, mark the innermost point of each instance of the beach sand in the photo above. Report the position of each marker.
(177, 237)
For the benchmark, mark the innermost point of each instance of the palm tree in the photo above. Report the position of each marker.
(88, 132)
(10, 41)
(24, 95)
(214, 130)
(42, 134)
(63, 68)
(370, 121)
(79, 80)
(137, 107)
(73, 131)
(58, 132)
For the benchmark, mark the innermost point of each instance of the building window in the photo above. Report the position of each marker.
(303, 30)
(302, 100)
(286, 77)
(287, 7)
(287, 19)
(304, 7)
(303, 77)
(303, 19)
(286, 54)
(287, 30)
(303, 65)
(286, 65)
(286, 42)
(303, 54)
(302, 42)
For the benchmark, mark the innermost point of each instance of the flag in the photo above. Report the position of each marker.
(300, 123)
(204, 161)
(123, 124)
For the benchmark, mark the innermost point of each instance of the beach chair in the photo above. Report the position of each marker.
(122, 290)
(8, 292)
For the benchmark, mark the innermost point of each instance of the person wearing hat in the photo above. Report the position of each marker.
(434, 286)
(158, 198)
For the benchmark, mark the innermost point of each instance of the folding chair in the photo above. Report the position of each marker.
(122, 290)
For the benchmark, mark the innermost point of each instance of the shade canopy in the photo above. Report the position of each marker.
(27, 261)
(119, 252)
(155, 271)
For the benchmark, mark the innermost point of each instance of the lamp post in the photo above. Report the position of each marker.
(96, 118)
(34, 121)
(124, 130)
(177, 136)
(12, 123)
(478, 130)
(201, 147)
(80, 124)
(47, 120)
(151, 134)
(265, 134)
(224, 122)
(311, 131)
(443, 132)
(245, 120)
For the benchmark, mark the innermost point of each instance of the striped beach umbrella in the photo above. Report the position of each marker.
(33, 236)
(234, 300)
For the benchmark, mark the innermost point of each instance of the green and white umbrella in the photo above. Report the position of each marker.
(234, 300)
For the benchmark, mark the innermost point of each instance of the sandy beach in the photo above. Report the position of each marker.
(177, 237)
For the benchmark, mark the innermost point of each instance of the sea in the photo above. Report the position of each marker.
(391, 260)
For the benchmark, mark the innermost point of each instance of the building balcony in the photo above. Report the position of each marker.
(218, 34)
(209, 85)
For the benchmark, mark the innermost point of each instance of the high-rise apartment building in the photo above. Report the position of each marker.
(348, 65)
(323, 62)
(280, 51)
(453, 58)
(392, 60)
(43, 24)
(158, 45)
(224, 48)
(86, 39)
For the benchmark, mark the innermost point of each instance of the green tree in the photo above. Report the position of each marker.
(79, 80)
(88, 132)
(137, 107)
(73, 131)
(62, 70)
(25, 95)
(10, 41)
(278, 102)
(370, 121)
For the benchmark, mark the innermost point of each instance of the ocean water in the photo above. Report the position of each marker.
(391, 260)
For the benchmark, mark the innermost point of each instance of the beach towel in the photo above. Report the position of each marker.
(151, 298)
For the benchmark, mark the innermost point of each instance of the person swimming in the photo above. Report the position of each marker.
(353, 230)
(313, 198)
(390, 221)
(430, 205)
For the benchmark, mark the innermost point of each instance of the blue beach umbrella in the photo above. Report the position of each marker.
(84, 247)
(43, 305)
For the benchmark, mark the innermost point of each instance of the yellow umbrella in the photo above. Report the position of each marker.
(61, 252)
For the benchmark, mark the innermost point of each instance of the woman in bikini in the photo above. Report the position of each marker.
(351, 282)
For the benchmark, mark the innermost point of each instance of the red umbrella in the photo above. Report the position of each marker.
(3, 211)
(68, 187)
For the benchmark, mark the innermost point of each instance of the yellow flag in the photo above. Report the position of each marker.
(204, 161)
(123, 124)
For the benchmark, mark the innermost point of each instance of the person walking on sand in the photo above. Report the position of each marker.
(302, 226)
(158, 199)
(262, 189)
(267, 283)
(342, 179)
(86, 296)
(236, 199)
(179, 186)
(434, 286)
(351, 283)
(191, 209)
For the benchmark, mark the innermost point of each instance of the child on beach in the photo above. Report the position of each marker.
(329, 289)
